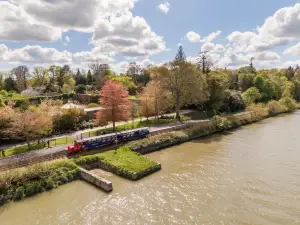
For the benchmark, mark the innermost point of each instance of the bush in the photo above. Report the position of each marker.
(32, 188)
(233, 102)
(80, 89)
(69, 120)
(288, 103)
(20, 193)
(274, 108)
(221, 123)
(251, 96)
(22, 103)
(19, 183)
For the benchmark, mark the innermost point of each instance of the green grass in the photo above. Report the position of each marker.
(129, 126)
(122, 158)
(35, 146)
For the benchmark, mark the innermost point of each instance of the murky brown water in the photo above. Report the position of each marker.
(248, 176)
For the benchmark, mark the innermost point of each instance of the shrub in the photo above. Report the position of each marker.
(22, 103)
(81, 89)
(251, 96)
(288, 103)
(69, 120)
(221, 123)
(233, 102)
(20, 193)
(32, 188)
(274, 108)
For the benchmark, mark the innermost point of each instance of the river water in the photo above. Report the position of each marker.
(250, 175)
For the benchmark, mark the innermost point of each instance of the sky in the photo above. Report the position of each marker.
(78, 32)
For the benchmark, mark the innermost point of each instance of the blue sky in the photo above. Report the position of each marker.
(41, 33)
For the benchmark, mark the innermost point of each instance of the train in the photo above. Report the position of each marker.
(106, 140)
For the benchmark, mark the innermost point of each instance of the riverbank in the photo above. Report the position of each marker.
(196, 130)
(20, 183)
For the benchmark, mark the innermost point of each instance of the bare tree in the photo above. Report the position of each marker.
(204, 64)
(133, 71)
(99, 71)
(21, 73)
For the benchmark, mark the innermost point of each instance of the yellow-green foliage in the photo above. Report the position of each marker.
(274, 108)
(288, 103)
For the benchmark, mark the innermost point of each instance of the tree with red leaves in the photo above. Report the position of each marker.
(114, 100)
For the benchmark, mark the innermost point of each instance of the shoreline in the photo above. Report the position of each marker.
(193, 130)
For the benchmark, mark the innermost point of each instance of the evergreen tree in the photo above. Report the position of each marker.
(89, 78)
(180, 56)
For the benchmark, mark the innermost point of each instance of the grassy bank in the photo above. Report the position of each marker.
(37, 146)
(25, 182)
(69, 140)
(122, 161)
(203, 128)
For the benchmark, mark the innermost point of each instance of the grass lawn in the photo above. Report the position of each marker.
(35, 146)
(122, 158)
(129, 126)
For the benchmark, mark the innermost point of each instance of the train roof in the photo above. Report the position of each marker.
(112, 134)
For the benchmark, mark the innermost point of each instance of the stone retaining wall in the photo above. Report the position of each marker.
(120, 172)
(96, 180)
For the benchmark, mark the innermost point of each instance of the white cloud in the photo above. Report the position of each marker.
(211, 47)
(164, 7)
(34, 54)
(193, 37)
(128, 35)
(212, 36)
(293, 51)
(16, 25)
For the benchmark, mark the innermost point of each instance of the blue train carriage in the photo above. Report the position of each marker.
(132, 134)
(108, 139)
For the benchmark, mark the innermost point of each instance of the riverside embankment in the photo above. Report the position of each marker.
(126, 163)
(248, 175)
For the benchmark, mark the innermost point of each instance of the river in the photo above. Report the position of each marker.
(250, 175)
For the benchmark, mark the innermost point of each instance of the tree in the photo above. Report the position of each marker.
(133, 71)
(7, 115)
(89, 78)
(245, 81)
(146, 106)
(40, 76)
(9, 84)
(66, 89)
(218, 83)
(21, 73)
(134, 111)
(252, 95)
(185, 84)
(247, 70)
(80, 89)
(31, 125)
(126, 81)
(180, 56)
(1, 81)
(99, 72)
(154, 99)
(290, 72)
(114, 99)
(204, 64)
(80, 79)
